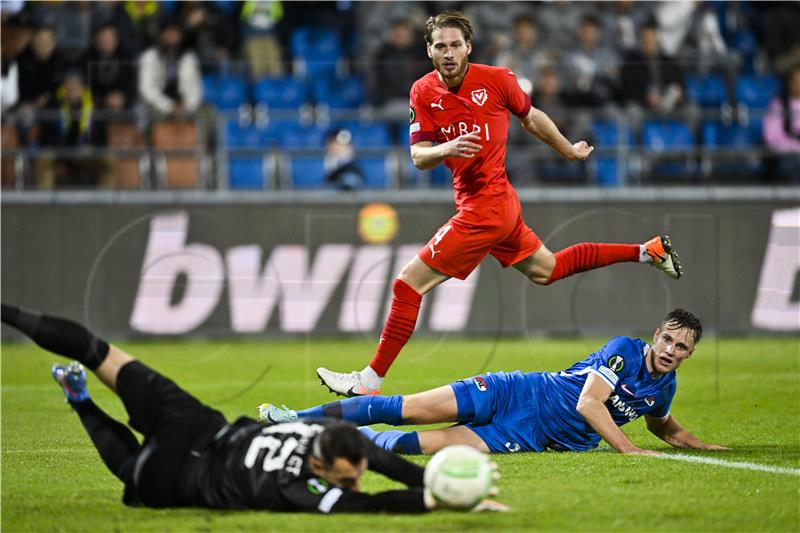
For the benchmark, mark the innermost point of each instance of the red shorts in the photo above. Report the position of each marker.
(462, 243)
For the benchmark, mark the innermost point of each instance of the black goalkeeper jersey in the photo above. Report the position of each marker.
(253, 466)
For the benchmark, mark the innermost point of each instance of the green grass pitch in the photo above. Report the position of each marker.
(741, 393)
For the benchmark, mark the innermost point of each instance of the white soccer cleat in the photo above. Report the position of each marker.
(663, 256)
(345, 384)
(272, 414)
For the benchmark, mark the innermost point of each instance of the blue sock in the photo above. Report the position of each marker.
(394, 440)
(361, 410)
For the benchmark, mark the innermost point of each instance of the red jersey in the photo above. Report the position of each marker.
(480, 104)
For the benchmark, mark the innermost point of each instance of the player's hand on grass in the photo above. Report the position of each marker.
(714, 448)
(463, 146)
(490, 506)
(581, 150)
(639, 451)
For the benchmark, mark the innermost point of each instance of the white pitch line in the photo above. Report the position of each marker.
(731, 464)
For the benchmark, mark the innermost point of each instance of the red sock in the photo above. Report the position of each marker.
(399, 326)
(589, 255)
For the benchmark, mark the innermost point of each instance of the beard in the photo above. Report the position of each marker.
(459, 70)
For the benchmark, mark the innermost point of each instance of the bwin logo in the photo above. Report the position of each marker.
(301, 288)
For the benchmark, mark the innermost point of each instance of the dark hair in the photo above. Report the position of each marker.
(591, 19)
(524, 18)
(681, 318)
(341, 440)
(448, 19)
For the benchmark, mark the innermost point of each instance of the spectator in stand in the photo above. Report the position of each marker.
(211, 32)
(524, 55)
(782, 127)
(69, 123)
(621, 22)
(398, 64)
(112, 73)
(169, 76)
(650, 79)
(145, 18)
(39, 68)
(591, 72)
(341, 169)
(261, 28)
(9, 84)
(112, 12)
(781, 35)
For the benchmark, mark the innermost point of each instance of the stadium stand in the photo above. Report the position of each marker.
(328, 83)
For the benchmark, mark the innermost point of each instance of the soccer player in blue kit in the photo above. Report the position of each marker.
(569, 410)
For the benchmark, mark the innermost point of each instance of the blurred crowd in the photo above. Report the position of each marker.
(71, 68)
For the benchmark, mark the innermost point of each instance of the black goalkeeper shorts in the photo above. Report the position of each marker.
(176, 427)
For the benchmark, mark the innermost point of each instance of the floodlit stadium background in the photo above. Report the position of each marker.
(229, 241)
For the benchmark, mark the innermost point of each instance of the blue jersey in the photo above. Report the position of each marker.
(621, 364)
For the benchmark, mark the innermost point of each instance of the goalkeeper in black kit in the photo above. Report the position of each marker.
(192, 456)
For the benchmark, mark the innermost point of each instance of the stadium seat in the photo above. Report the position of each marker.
(238, 135)
(224, 92)
(369, 135)
(609, 134)
(294, 136)
(756, 91)
(666, 139)
(126, 168)
(307, 172)
(280, 93)
(179, 171)
(246, 173)
(339, 94)
(716, 135)
(707, 91)
(309, 41)
(376, 175)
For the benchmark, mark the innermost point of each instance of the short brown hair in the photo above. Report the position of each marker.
(449, 19)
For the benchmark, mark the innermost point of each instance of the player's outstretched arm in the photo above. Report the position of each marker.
(426, 155)
(670, 431)
(591, 405)
(543, 128)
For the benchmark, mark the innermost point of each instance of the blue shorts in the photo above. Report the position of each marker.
(505, 417)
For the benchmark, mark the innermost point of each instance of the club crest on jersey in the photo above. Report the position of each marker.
(649, 400)
(481, 384)
(616, 363)
(317, 486)
(479, 96)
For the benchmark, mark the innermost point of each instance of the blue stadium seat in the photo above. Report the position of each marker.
(370, 135)
(716, 135)
(707, 91)
(280, 93)
(665, 136)
(308, 172)
(339, 94)
(245, 135)
(375, 173)
(756, 91)
(224, 92)
(309, 41)
(246, 173)
(292, 135)
(609, 134)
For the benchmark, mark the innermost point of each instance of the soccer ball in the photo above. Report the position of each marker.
(459, 476)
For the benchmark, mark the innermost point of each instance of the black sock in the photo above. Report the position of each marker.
(58, 335)
(115, 443)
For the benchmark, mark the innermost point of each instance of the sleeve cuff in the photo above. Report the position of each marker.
(422, 136)
(525, 108)
(607, 375)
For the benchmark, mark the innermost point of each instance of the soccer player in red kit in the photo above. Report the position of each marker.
(459, 115)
